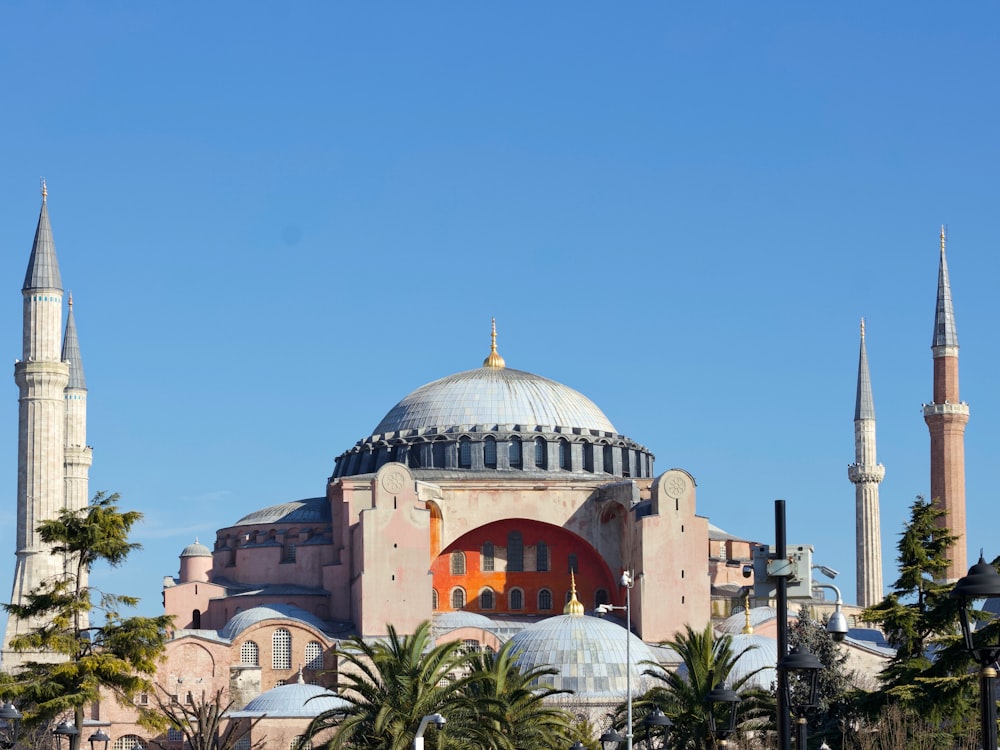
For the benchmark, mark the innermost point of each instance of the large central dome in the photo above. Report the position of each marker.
(494, 396)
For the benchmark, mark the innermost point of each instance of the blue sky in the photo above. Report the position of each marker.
(279, 219)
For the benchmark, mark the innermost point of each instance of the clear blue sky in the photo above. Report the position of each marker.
(278, 219)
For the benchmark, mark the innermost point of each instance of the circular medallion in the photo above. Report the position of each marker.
(393, 482)
(675, 485)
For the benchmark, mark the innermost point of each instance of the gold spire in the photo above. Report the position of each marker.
(748, 628)
(45, 191)
(573, 606)
(494, 359)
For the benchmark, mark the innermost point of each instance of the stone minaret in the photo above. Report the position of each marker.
(866, 474)
(42, 377)
(78, 455)
(946, 418)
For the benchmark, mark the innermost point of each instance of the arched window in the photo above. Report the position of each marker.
(458, 563)
(600, 597)
(434, 599)
(609, 459)
(516, 599)
(196, 619)
(249, 654)
(514, 453)
(487, 599)
(541, 454)
(457, 598)
(129, 742)
(541, 557)
(487, 558)
(515, 552)
(465, 453)
(626, 462)
(437, 452)
(300, 743)
(544, 600)
(490, 453)
(574, 564)
(314, 655)
(281, 649)
(243, 743)
(564, 454)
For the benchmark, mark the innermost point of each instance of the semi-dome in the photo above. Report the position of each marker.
(196, 550)
(758, 657)
(243, 620)
(494, 396)
(311, 510)
(292, 701)
(589, 652)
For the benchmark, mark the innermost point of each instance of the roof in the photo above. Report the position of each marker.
(43, 268)
(243, 620)
(196, 550)
(292, 701)
(310, 510)
(945, 333)
(864, 406)
(71, 352)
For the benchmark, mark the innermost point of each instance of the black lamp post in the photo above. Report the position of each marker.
(982, 582)
(99, 740)
(65, 729)
(611, 739)
(10, 725)
(656, 718)
(717, 696)
(801, 661)
(577, 746)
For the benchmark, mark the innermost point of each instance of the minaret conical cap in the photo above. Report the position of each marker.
(573, 606)
(43, 268)
(864, 407)
(945, 333)
(71, 352)
(494, 359)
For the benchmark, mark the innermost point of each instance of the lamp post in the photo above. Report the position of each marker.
(802, 662)
(65, 729)
(418, 739)
(656, 718)
(99, 740)
(603, 609)
(721, 695)
(982, 582)
(10, 725)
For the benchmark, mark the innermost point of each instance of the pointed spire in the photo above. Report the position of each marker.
(944, 316)
(864, 407)
(747, 627)
(494, 359)
(43, 268)
(573, 606)
(71, 352)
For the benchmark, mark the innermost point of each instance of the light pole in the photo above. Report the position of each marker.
(418, 739)
(656, 718)
(99, 740)
(10, 725)
(603, 609)
(982, 582)
(65, 729)
(717, 727)
(801, 661)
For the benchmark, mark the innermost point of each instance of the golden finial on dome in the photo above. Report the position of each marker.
(494, 359)
(45, 191)
(573, 606)
(747, 628)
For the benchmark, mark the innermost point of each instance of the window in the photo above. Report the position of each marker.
(516, 598)
(434, 599)
(196, 619)
(564, 455)
(490, 453)
(175, 735)
(626, 462)
(243, 743)
(600, 597)
(288, 553)
(464, 453)
(609, 459)
(486, 599)
(143, 699)
(574, 564)
(544, 600)
(487, 558)
(281, 649)
(437, 454)
(471, 646)
(249, 654)
(514, 453)
(300, 743)
(541, 457)
(515, 552)
(458, 598)
(129, 742)
(314, 655)
(541, 557)
(458, 563)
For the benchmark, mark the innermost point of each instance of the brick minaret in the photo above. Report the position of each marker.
(866, 474)
(946, 418)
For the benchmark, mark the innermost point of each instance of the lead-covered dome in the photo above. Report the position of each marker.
(494, 396)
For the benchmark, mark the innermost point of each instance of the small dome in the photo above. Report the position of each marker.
(763, 655)
(312, 510)
(735, 623)
(294, 700)
(448, 621)
(243, 620)
(196, 550)
(589, 652)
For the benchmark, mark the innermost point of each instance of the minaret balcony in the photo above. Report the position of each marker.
(931, 410)
(861, 474)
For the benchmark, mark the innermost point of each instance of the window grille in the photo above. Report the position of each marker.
(281, 649)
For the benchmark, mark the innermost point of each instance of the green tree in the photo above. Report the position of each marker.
(117, 656)
(523, 716)
(393, 683)
(834, 680)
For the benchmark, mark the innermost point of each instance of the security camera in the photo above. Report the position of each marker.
(837, 625)
(601, 609)
(747, 571)
(440, 721)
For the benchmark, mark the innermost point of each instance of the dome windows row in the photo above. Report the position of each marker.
(281, 652)
(514, 555)
(489, 600)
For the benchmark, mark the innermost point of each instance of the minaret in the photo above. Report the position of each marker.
(946, 418)
(41, 377)
(78, 455)
(866, 474)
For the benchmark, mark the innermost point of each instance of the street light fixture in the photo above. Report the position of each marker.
(99, 740)
(603, 609)
(656, 718)
(982, 582)
(10, 725)
(837, 625)
(418, 739)
(800, 660)
(611, 739)
(720, 695)
(65, 729)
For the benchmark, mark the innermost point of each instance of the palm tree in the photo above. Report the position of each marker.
(706, 662)
(524, 719)
(392, 684)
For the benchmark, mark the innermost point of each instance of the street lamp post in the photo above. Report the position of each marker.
(982, 582)
(656, 718)
(65, 729)
(801, 661)
(603, 609)
(418, 739)
(10, 725)
(99, 740)
(718, 728)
